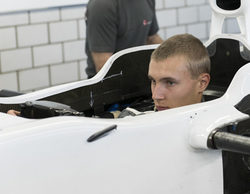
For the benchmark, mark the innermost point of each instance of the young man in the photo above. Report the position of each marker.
(114, 25)
(179, 71)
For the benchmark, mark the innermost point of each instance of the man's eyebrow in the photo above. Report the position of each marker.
(150, 77)
(164, 79)
(168, 79)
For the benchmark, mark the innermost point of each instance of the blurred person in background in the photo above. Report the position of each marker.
(114, 25)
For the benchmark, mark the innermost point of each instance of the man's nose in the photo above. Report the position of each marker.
(157, 92)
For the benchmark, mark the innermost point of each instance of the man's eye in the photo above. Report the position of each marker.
(170, 83)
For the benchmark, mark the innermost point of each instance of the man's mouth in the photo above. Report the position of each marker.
(160, 108)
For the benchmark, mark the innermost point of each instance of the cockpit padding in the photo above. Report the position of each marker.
(126, 81)
(227, 57)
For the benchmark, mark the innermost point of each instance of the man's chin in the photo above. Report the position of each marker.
(161, 108)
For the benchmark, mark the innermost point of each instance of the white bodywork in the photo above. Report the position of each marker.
(162, 152)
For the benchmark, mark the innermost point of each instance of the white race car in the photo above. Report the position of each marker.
(63, 144)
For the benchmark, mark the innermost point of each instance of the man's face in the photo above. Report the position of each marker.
(171, 83)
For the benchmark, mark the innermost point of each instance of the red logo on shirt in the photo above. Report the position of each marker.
(146, 22)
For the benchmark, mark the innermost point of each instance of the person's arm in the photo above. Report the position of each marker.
(154, 39)
(102, 30)
(100, 59)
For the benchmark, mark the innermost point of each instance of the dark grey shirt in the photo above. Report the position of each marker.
(113, 25)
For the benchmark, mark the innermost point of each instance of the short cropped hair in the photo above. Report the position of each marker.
(188, 46)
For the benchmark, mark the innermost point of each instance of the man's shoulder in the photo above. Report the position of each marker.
(100, 8)
(151, 2)
(93, 4)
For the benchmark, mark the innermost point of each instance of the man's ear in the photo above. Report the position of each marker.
(204, 80)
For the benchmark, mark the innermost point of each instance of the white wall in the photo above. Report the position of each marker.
(24, 5)
(43, 48)
(39, 49)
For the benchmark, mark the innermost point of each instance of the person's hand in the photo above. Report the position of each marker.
(13, 112)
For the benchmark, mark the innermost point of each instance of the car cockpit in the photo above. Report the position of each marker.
(126, 82)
